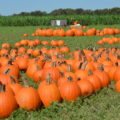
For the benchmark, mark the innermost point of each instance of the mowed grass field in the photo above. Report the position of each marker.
(103, 105)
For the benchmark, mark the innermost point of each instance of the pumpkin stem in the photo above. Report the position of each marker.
(69, 68)
(79, 78)
(12, 79)
(48, 79)
(2, 88)
(70, 79)
(80, 56)
(7, 71)
(82, 52)
(84, 65)
(80, 65)
(84, 58)
(101, 68)
(38, 67)
(116, 64)
(90, 72)
(94, 59)
(54, 64)
(25, 81)
(118, 57)
(107, 58)
(107, 51)
(99, 55)
(62, 73)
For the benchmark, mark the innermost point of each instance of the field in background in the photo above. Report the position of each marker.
(45, 20)
(103, 105)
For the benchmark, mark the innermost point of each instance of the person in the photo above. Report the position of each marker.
(72, 21)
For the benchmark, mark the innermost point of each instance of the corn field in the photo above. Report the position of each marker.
(46, 20)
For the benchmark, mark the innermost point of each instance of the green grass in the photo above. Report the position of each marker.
(103, 105)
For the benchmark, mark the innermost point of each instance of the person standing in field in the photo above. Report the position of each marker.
(73, 21)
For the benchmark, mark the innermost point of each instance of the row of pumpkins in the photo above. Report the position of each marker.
(84, 73)
(75, 32)
(37, 42)
(109, 40)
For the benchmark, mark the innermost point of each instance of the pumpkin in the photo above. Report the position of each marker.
(85, 87)
(37, 74)
(60, 33)
(7, 102)
(54, 43)
(49, 32)
(22, 63)
(48, 91)
(53, 71)
(112, 71)
(21, 50)
(32, 68)
(69, 33)
(117, 86)
(60, 42)
(28, 98)
(70, 73)
(13, 70)
(15, 86)
(103, 76)
(18, 44)
(5, 78)
(116, 76)
(36, 52)
(25, 35)
(94, 80)
(6, 45)
(78, 33)
(70, 90)
(81, 73)
(24, 42)
(64, 49)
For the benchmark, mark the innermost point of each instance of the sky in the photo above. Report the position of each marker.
(9, 7)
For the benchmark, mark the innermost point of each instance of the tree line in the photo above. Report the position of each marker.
(68, 11)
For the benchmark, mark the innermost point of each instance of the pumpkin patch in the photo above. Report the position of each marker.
(59, 72)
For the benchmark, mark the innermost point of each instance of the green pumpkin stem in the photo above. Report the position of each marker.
(90, 72)
(69, 79)
(101, 68)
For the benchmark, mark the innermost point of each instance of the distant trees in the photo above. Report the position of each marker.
(69, 11)
(34, 13)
